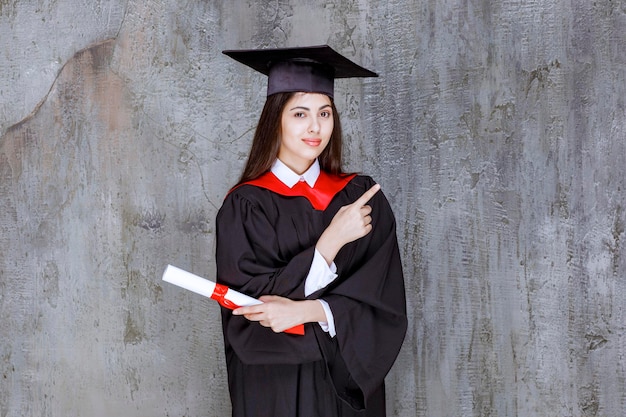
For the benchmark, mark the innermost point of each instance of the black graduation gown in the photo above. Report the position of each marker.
(265, 245)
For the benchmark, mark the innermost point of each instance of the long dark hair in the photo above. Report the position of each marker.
(266, 141)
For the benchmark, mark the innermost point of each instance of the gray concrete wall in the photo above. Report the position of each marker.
(498, 132)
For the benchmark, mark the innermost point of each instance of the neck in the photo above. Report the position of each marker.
(299, 168)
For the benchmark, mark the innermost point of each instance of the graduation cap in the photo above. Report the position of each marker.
(310, 69)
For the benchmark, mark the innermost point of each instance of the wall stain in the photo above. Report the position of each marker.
(50, 283)
(196, 222)
(137, 286)
(133, 379)
(150, 220)
(541, 75)
(133, 333)
(596, 341)
(107, 44)
(589, 403)
(7, 369)
(617, 232)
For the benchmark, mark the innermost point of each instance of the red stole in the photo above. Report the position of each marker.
(326, 187)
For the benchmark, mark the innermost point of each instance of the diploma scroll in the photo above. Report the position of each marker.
(225, 296)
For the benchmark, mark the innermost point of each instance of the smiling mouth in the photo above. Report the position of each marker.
(312, 142)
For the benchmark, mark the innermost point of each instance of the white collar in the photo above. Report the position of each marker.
(290, 178)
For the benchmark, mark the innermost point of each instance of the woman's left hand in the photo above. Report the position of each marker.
(280, 313)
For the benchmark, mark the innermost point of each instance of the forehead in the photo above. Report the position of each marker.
(308, 100)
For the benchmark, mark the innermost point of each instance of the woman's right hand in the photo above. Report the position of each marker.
(351, 222)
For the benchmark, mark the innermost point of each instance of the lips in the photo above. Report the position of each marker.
(312, 142)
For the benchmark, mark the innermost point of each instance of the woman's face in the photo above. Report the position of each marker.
(306, 127)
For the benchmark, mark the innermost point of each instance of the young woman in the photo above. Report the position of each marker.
(317, 246)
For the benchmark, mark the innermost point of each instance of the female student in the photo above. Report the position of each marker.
(317, 246)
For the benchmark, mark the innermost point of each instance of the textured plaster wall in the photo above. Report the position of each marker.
(498, 132)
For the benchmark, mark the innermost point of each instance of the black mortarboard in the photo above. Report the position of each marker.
(310, 69)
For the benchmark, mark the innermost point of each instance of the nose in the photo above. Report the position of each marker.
(314, 126)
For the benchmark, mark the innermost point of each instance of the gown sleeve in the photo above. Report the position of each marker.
(249, 260)
(368, 303)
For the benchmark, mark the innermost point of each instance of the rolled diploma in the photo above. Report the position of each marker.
(205, 287)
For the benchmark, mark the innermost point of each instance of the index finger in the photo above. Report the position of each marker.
(361, 201)
(253, 309)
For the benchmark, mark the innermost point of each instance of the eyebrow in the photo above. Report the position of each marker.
(308, 109)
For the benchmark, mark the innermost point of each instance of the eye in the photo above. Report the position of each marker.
(299, 114)
(325, 114)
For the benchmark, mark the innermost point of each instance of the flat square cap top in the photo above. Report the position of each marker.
(300, 69)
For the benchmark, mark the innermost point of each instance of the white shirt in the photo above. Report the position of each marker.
(320, 274)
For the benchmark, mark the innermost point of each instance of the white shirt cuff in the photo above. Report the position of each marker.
(329, 325)
(320, 274)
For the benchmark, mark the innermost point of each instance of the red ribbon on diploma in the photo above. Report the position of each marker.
(219, 295)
